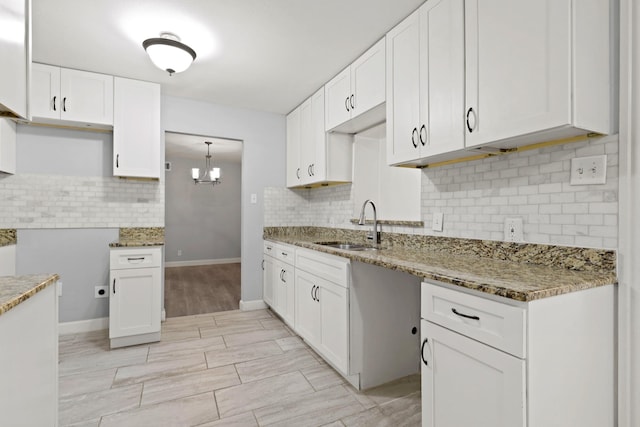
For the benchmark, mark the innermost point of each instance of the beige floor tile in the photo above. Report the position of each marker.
(246, 338)
(393, 390)
(189, 322)
(177, 349)
(322, 376)
(184, 385)
(290, 361)
(334, 424)
(243, 420)
(310, 410)
(188, 411)
(405, 411)
(272, 323)
(369, 418)
(237, 327)
(160, 369)
(193, 332)
(104, 360)
(235, 315)
(89, 406)
(86, 382)
(88, 423)
(258, 394)
(229, 356)
(85, 343)
(291, 343)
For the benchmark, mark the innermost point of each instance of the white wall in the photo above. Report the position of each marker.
(263, 165)
(202, 221)
(477, 196)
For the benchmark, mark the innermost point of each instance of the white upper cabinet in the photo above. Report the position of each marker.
(76, 97)
(425, 83)
(15, 34)
(525, 72)
(315, 157)
(136, 129)
(357, 90)
(7, 146)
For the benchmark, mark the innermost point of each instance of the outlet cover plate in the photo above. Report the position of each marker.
(101, 291)
(589, 170)
(436, 225)
(513, 230)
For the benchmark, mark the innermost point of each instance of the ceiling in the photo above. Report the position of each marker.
(266, 55)
(193, 147)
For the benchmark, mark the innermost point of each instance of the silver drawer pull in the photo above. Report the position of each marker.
(457, 313)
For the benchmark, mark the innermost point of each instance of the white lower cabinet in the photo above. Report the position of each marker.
(8, 260)
(278, 287)
(135, 297)
(492, 362)
(29, 362)
(322, 317)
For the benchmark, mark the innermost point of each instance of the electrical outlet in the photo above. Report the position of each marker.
(101, 291)
(254, 198)
(179, 252)
(589, 170)
(513, 230)
(436, 225)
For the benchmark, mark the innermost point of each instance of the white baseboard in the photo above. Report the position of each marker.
(202, 262)
(252, 305)
(65, 328)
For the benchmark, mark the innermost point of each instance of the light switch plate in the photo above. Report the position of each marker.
(254, 198)
(436, 225)
(589, 170)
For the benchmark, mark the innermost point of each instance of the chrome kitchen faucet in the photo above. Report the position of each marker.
(374, 234)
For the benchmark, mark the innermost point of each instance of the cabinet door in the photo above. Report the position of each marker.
(441, 77)
(45, 99)
(368, 79)
(267, 280)
(136, 130)
(86, 97)
(318, 141)
(306, 142)
(294, 171)
(403, 96)
(334, 307)
(15, 49)
(307, 308)
(285, 291)
(135, 302)
(7, 146)
(462, 373)
(339, 102)
(518, 84)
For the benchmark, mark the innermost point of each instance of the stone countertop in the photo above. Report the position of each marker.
(139, 236)
(515, 280)
(8, 236)
(135, 243)
(16, 289)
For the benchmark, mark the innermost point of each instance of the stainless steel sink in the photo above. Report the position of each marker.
(347, 246)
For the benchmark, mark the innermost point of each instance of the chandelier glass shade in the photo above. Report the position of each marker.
(210, 175)
(168, 53)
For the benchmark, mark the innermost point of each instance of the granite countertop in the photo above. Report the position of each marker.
(8, 236)
(139, 236)
(16, 289)
(519, 281)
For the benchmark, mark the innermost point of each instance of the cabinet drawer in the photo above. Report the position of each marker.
(135, 258)
(332, 268)
(286, 253)
(269, 248)
(494, 323)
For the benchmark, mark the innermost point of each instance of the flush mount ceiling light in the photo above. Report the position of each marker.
(168, 53)
(210, 175)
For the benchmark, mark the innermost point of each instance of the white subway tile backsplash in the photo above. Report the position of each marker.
(55, 201)
(477, 196)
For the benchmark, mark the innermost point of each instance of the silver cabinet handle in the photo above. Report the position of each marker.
(351, 102)
(64, 104)
(54, 103)
(346, 103)
(316, 293)
(466, 316)
(423, 141)
(114, 286)
(414, 132)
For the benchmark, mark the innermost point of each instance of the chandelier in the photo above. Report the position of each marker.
(211, 175)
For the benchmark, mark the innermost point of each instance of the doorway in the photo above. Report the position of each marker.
(202, 224)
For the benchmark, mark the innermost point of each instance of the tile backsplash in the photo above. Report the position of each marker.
(476, 197)
(57, 201)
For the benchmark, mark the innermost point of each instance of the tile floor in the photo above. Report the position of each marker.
(223, 369)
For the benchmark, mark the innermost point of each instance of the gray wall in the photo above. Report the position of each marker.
(79, 256)
(263, 165)
(203, 221)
